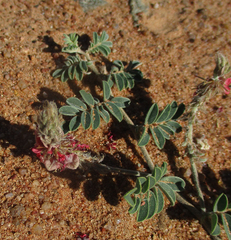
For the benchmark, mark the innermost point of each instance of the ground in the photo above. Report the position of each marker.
(175, 41)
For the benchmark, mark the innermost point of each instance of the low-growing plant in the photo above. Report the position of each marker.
(57, 148)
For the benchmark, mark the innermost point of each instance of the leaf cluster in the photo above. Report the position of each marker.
(160, 125)
(147, 197)
(124, 77)
(73, 67)
(220, 208)
(88, 110)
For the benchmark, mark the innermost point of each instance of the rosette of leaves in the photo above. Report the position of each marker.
(89, 110)
(147, 197)
(71, 40)
(74, 66)
(100, 44)
(161, 125)
(221, 208)
(124, 77)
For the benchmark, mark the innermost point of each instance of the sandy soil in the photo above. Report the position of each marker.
(175, 41)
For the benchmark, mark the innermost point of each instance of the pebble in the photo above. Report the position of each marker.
(9, 195)
(22, 171)
(35, 183)
(36, 229)
(46, 206)
(16, 211)
(22, 84)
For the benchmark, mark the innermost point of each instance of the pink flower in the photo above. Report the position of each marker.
(111, 143)
(226, 85)
(60, 156)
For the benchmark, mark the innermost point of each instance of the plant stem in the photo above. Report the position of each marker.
(189, 139)
(190, 149)
(126, 118)
(102, 168)
(143, 149)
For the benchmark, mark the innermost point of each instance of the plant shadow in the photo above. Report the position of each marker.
(20, 136)
(112, 186)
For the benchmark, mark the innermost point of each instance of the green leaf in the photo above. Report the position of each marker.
(221, 203)
(165, 128)
(158, 137)
(139, 182)
(226, 220)
(164, 114)
(104, 37)
(145, 186)
(74, 123)
(86, 120)
(176, 183)
(174, 126)
(152, 182)
(215, 229)
(163, 169)
(78, 73)
(159, 199)
(179, 112)
(144, 139)
(133, 64)
(119, 64)
(133, 209)
(168, 192)
(173, 110)
(143, 210)
(157, 173)
(87, 97)
(165, 135)
(152, 114)
(83, 66)
(119, 81)
(104, 49)
(68, 110)
(128, 197)
(77, 103)
(64, 75)
(121, 101)
(71, 39)
(95, 118)
(70, 72)
(106, 90)
(65, 127)
(104, 114)
(152, 205)
(57, 73)
(114, 110)
(100, 44)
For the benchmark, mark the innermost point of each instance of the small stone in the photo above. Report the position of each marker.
(35, 183)
(46, 206)
(16, 211)
(22, 171)
(9, 195)
(22, 84)
(36, 229)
